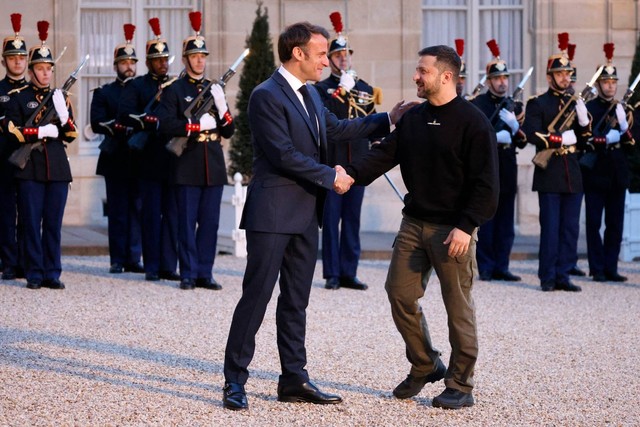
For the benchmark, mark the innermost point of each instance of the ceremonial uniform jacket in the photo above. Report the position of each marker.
(114, 150)
(562, 174)
(507, 165)
(610, 170)
(345, 152)
(48, 162)
(202, 162)
(7, 145)
(154, 161)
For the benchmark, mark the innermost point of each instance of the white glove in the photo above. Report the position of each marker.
(622, 118)
(503, 137)
(347, 81)
(61, 106)
(581, 112)
(219, 99)
(509, 118)
(48, 131)
(613, 136)
(569, 137)
(207, 122)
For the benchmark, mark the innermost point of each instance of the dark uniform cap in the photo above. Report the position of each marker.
(14, 45)
(609, 71)
(496, 67)
(340, 42)
(194, 44)
(126, 50)
(571, 51)
(460, 51)
(560, 61)
(156, 48)
(42, 53)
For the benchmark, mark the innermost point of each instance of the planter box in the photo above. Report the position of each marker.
(231, 239)
(630, 249)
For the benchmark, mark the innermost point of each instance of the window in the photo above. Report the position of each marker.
(101, 25)
(477, 22)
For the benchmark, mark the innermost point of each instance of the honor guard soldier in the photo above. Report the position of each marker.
(137, 109)
(43, 182)
(115, 163)
(495, 237)
(462, 76)
(14, 59)
(605, 175)
(558, 181)
(348, 97)
(200, 171)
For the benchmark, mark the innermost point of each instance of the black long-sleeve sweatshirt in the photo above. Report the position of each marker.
(448, 160)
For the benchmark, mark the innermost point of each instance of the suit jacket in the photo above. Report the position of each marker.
(290, 175)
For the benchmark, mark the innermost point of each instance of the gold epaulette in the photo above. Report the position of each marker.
(17, 90)
(377, 96)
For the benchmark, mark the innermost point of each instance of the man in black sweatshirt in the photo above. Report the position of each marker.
(446, 149)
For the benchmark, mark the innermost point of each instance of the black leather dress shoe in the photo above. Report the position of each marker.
(20, 273)
(135, 267)
(187, 284)
(234, 397)
(411, 386)
(353, 283)
(208, 284)
(615, 277)
(116, 268)
(568, 286)
(599, 277)
(170, 275)
(548, 286)
(575, 271)
(151, 277)
(332, 283)
(506, 276)
(451, 398)
(9, 273)
(306, 392)
(485, 276)
(34, 284)
(52, 284)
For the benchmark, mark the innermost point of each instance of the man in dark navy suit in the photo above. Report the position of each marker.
(290, 129)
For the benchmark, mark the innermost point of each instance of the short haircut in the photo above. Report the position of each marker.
(298, 35)
(446, 59)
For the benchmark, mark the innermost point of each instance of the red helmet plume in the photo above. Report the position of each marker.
(493, 47)
(43, 30)
(129, 29)
(154, 23)
(563, 41)
(608, 51)
(459, 47)
(16, 22)
(571, 51)
(196, 20)
(336, 21)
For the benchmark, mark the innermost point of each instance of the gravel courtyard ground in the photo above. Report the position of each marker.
(116, 350)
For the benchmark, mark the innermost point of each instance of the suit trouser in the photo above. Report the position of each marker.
(198, 220)
(341, 233)
(8, 225)
(603, 256)
(159, 217)
(123, 215)
(293, 257)
(495, 237)
(41, 207)
(559, 229)
(418, 250)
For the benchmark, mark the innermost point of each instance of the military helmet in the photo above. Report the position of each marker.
(560, 61)
(571, 51)
(157, 47)
(496, 67)
(460, 51)
(340, 42)
(609, 72)
(42, 53)
(194, 44)
(14, 45)
(126, 50)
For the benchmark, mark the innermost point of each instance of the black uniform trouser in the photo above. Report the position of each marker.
(603, 253)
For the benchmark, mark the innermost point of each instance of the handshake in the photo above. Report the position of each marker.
(343, 181)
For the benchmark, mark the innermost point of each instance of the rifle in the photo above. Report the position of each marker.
(609, 119)
(478, 88)
(21, 156)
(509, 103)
(563, 121)
(201, 104)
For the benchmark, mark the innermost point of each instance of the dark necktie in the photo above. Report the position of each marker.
(310, 108)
